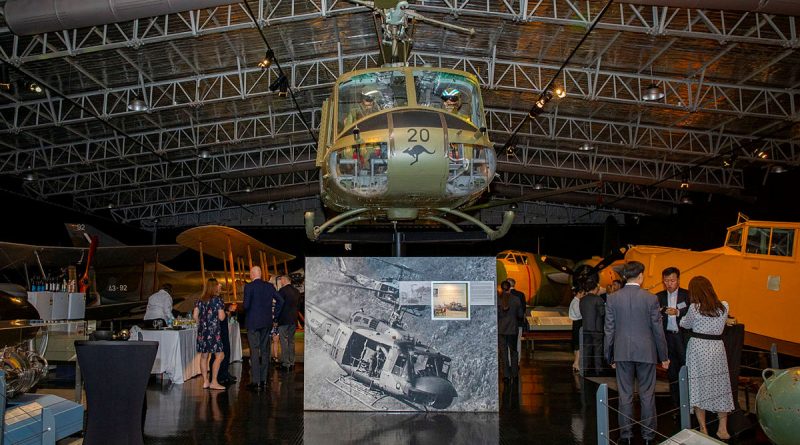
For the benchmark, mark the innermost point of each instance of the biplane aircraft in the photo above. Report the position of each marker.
(757, 271)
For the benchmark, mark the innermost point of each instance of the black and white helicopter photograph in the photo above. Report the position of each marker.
(367, 350)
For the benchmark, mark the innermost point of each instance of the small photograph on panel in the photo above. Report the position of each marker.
(450, 300)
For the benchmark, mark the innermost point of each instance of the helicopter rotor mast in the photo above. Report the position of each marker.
(397, 25)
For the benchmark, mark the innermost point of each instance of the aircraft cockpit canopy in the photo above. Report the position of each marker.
(761, 238)
(372, 92)
(369, 93)
(453, 92)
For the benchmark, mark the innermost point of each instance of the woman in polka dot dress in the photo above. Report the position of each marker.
(709, 381)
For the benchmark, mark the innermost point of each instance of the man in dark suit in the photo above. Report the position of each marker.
(674, 304)
(522, 322)
(287, 321)
(259, 296)
(634, 344)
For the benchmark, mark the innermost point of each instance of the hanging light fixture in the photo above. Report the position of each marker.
(560, 92)
(778, 169)
(586, 146)
(538, 186)
(272, 207)
(137, 104)
(34, 87)
(203, 154)
(686, 200)
(684, 183)
(761, 154)
(29, 177)
(513, 206)
(653, 93)
(278, 83)
(266, 62)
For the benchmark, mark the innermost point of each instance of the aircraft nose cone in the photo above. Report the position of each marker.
(440, 390)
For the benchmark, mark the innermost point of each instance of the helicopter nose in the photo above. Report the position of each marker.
(440, 390)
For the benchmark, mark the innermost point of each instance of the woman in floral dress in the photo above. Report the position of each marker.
(709, 381)
(209, 310)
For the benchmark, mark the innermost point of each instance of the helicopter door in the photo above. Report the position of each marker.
(418, 160)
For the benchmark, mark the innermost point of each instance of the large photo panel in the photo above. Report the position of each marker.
(401, 334)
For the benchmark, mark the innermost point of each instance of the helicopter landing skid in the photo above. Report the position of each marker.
(357, 391)
(328, 232)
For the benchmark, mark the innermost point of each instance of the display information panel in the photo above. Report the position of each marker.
(401, 334)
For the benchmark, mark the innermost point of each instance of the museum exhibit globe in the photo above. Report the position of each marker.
(778, 404)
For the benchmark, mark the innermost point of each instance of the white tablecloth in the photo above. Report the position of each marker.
(177, 353)
(235, 336)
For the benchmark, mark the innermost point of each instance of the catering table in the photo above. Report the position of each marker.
(177, 353)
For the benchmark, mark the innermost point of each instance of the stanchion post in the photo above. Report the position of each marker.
(773, 357)
(683, 389)
(582, 355)
(2, 406)
(602, 415)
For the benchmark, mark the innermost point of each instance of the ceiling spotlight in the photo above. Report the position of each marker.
(586, 146)
(513, 206)
(761, 154)
(29, 177)
(266, 62)
(727, 163)
(686, 200)
(34, 87)
(248, 190)
(110, 205)
(684, 183)
(137, 104)
(778, 169)
(560, 92)
(204, 154)
(653, 93)
(273, 207)
(538, 186)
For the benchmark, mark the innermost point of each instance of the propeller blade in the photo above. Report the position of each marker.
(605, 262)
(551, 262)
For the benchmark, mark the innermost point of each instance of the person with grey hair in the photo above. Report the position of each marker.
(634, 344)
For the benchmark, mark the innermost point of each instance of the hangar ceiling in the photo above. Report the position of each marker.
(216, 145)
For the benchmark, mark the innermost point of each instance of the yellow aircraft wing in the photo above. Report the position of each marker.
(217, 241)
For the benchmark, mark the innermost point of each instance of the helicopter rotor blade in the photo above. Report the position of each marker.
(422, 18)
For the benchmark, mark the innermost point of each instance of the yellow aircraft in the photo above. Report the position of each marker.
(756, 271)
(542, 284)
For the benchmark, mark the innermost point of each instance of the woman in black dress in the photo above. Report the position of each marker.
(209, 310)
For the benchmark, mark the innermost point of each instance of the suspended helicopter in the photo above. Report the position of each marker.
(379, 357)
(401, 143)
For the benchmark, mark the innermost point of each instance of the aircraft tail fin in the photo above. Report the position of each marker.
(77, 231)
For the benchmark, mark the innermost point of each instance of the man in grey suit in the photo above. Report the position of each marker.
(634, 344)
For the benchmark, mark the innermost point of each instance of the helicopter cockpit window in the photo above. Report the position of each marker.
(782, 242)
(455, 93)
(369, 93)
(734, 240)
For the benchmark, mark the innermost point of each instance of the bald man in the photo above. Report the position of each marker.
(259, 298)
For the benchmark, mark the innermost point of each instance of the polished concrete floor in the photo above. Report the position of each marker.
(550, 405)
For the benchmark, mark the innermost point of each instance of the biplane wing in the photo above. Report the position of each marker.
(217, 241)
(14, 254)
